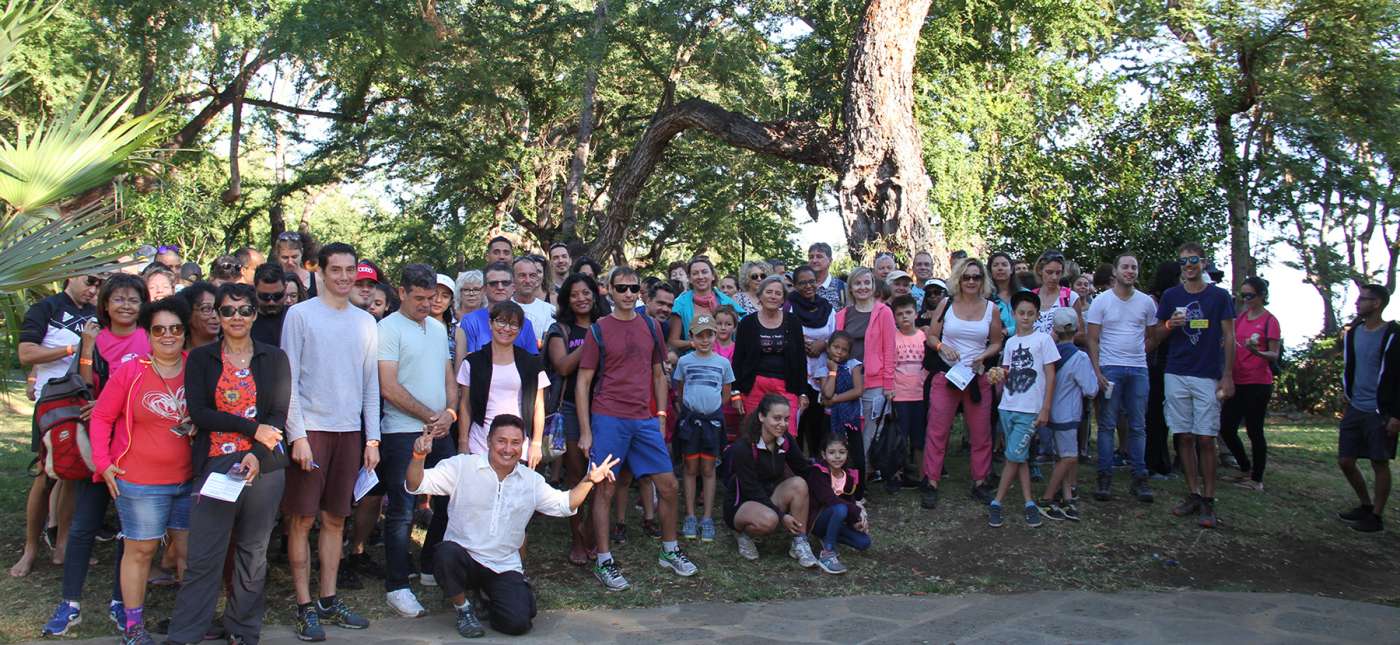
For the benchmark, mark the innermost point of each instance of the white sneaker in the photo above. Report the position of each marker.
(427, 580)
(747, 548)
(405, 603)
(801, 551)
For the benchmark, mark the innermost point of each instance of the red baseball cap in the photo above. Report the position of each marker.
(366, 272)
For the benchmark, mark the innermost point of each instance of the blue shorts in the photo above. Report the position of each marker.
(147, 510)
(1017, 428)
(636, 443)
(570, 412)
(1065, 440)
(699, 435)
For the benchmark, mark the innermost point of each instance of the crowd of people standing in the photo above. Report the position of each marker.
(319, 400)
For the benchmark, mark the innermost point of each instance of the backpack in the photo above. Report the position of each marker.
(597, 331)
(66, 451)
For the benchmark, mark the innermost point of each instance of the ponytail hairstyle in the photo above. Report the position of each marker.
(752, 427)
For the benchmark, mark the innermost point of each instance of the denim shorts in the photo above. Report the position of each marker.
(1018, 428)
(147, 510)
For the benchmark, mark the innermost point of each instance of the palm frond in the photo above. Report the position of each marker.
(16, 20)
(35, 252)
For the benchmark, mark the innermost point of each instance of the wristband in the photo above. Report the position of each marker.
(661, 413)
(420, 455)
(70, 350)
(937, 345)
(736, 397)
(85, 362)
(453, 413)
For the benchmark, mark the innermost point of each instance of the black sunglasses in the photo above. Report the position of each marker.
(245, 311)
(271, 297)
(499, 284)
(1190, 259)
(622, 288)
(289, 235)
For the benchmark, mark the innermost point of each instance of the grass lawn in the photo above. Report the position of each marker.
(1284, 540)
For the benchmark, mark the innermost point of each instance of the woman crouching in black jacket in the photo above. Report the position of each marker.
(766, 485)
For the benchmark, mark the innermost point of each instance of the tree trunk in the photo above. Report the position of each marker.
(1231, 181)
(568, 228)
(883, 190)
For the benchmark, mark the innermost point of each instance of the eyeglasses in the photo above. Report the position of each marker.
(291, 236)
(271, 297)
(471, 289)
(756, 276)
(227, 266)
(93, 281)
(499, 284)
(176, 329)
(624, 288)
(1248, 296)
(806, 283)
(972, 277)
(204, 309)
(1190, 259)
(135, 302)
(505, 325)
(244, 311)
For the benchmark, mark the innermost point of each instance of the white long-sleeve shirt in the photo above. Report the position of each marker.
(487, 515)
(334, 356)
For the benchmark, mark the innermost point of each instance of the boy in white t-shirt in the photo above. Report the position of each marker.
(1029, 360)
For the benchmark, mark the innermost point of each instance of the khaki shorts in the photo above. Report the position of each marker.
(1191, 406)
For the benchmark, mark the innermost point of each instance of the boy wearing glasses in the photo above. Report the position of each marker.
(1199, 323)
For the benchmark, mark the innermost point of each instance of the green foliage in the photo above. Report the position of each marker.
(1311, 381)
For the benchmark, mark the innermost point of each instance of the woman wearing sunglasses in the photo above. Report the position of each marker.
(1257, 338)
(238, 391)
(141, 446)
(751, 274)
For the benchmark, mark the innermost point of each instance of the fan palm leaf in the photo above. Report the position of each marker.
(36, 251)
(18, 17)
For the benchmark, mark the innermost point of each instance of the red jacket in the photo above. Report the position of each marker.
(110, 428)
(879, 346)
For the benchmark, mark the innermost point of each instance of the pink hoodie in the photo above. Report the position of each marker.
(110, 428)
(879, 345)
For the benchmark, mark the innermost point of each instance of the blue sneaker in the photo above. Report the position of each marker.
(690, 528)
(707, 530)
(116, 612)
(994, 519)
(64, 618)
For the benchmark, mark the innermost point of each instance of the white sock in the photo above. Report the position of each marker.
(670, 546)
(74, 604)
(604, 556)
(465, 604)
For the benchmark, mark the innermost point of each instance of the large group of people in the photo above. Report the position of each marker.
(307, 397)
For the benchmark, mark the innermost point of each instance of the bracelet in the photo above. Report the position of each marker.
(420, 455)
(85, 362)
(453, 413)
(661, 413)
(736, 397)
(937, 345)
(70, 350)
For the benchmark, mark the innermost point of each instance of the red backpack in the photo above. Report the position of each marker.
(66, 452)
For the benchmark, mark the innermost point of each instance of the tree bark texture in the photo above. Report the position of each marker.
(568, 227)
(883, 189)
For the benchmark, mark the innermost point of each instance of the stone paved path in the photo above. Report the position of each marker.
(1023, 619)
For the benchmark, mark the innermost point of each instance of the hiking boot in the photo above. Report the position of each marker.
(467, 624)
(1369, 524)
(308, 625)
(1207, 519)
(1187, 506)
(1357, 514)
(983, 493)
(339, 614)
(707, 530)
(137, 635)
(747, 549)
(1070, 511)
(1033, 515)
(610, 575)
(677, 561)
(1103, 488)
(928, 497)
(1050, 510)
(994, 519)
(618, 536)
(690, 528)
(829, 563)
(64, 618)
(651, 528)
(1140, 489)
(801, 551)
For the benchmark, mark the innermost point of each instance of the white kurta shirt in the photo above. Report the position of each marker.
(488, 515)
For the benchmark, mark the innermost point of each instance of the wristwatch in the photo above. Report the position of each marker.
(372, 443)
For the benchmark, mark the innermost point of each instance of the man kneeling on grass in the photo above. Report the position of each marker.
(492, 497)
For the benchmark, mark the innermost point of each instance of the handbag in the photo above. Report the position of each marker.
(552, 444)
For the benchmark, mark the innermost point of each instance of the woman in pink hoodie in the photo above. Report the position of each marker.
(871, 324)
(141, 447)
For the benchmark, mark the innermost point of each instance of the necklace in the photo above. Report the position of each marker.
(239, 359)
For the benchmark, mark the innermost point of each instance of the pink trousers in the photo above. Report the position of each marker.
(943, 403)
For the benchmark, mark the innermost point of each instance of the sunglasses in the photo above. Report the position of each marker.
(176, 329)
(272, 297)
(624, 288)
(757, 276)
(245, 311)
(505, 325)
(289, 235)
(228, 266)
(1053, 256)
(499, 284)
(167, 248)
(1190, 259)
(972, 277)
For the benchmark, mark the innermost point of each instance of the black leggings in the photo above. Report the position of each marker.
(1250, 403)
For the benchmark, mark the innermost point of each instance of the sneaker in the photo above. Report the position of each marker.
(1140, 489)
(690, 528)
(1159, 477)
(364, 565)
(137, 635)
(50, 536)
(116, 612)
(707, 530)
(747, 548)
(829, 563)
(235, 639)
(427, 579)
(308, 625)
(610, 575)
(1207, 519)
(1187, 506)
(1357, 514)
(1103, 488)
(467, 624)
(1070, 511)
(405, 603)
(1369, 524)
(64, 618)
(983, 493)
(1050, 510)
(994, 516)
(339, 614)
(1032, 515)
(801, 551)
(928, 497)
(678, 562)
(618, 536)
(346, 578)
(1120, 460)
(1250, 485)
(106, 534)
(651, 528)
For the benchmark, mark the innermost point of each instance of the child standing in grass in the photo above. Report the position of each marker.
(843, 385)
(703, 380)
(1029, 359)
(837, 505)
(910, 406)
(1074, 381)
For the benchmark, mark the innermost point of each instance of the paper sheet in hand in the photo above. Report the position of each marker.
(959, 375)
(221, 486)
(366, 480)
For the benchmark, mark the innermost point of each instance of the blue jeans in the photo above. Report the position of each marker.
(1130, 386)
(395, 453)
(89, 510)
(831, 527)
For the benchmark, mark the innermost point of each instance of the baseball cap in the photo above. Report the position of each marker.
(1066, 319)
(936, 282)
(444, 281)
(703, 322)
(897, 274)
(366, 272)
